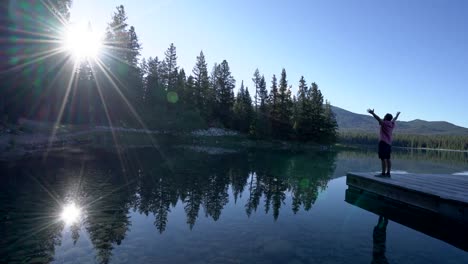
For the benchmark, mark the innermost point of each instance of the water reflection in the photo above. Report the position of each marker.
(379, 236)
(100, 196)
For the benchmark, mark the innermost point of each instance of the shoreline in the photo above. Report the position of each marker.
(212, 141)
(354, 146)
(67, 139)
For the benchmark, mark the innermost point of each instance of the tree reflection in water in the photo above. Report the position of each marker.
(33, 192)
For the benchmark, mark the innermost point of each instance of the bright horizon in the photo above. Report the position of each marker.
(414, 52)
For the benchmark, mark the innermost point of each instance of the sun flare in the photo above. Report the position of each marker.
(81, 42)
(70, 213)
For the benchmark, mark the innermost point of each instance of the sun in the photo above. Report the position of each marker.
(70, 213)
(82, 42)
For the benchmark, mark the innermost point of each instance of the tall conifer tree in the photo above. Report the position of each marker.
(201, 88)
(224, 84)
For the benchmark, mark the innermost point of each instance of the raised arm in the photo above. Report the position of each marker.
(371, 111)
(396, 117)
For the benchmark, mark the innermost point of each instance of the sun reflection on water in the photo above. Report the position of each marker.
(70, 213)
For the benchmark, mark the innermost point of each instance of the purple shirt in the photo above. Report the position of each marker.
(386, 129)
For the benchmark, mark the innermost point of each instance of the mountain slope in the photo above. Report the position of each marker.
(349, 121)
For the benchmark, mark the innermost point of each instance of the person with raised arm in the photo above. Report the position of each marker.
(385, 142)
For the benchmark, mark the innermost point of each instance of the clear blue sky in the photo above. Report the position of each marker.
(391, 55)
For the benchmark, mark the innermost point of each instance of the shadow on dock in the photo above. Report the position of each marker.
(427, 222)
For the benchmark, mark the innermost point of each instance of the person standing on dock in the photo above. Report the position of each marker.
(385, 143)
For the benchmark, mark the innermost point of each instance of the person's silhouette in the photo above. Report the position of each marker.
(379, 238)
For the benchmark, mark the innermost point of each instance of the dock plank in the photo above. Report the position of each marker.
(447, 194)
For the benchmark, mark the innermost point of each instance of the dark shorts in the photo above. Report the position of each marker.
(384, 150)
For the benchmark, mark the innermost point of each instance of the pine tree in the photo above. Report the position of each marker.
(117, 35)
(248, 101)
(224, 85)
(304, 125)
(316, 100)
(260, 128)
(289, 105)
(256, 80)
(282, 121)
(273, 98)
(155, 91)
(170, 69)
(122, 50)
(143, 74)
(212, 99)
(180, 89)
(133, 48)
(243, 110)
(330, 124)
(295, 115)
(262, 95)
(238, 108)
(188, 94)
(134, 78)
(249, 111)
(303, 92)
(273, 105)
(201, 86)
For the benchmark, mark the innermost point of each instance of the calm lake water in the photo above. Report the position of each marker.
(184, 206)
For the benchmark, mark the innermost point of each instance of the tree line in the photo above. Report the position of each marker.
(436, 156)
(123, 89)
(454, 142)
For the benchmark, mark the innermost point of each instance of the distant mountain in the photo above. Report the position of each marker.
(349, 121)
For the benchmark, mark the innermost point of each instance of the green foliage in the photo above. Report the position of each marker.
(223, 83)
(154, 92)
(262, 96)
(243, 110)
(454, 142)
(281, 108)
(304, 118)
(256, 80)
(170, 69)
(121, 82)
(313, 121)
(181, 86)
(200, 94)
(330, 125)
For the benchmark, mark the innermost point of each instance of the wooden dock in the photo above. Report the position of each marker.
(424, 221)
(446, 195)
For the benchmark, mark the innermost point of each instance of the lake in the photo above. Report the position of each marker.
(196, 206)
